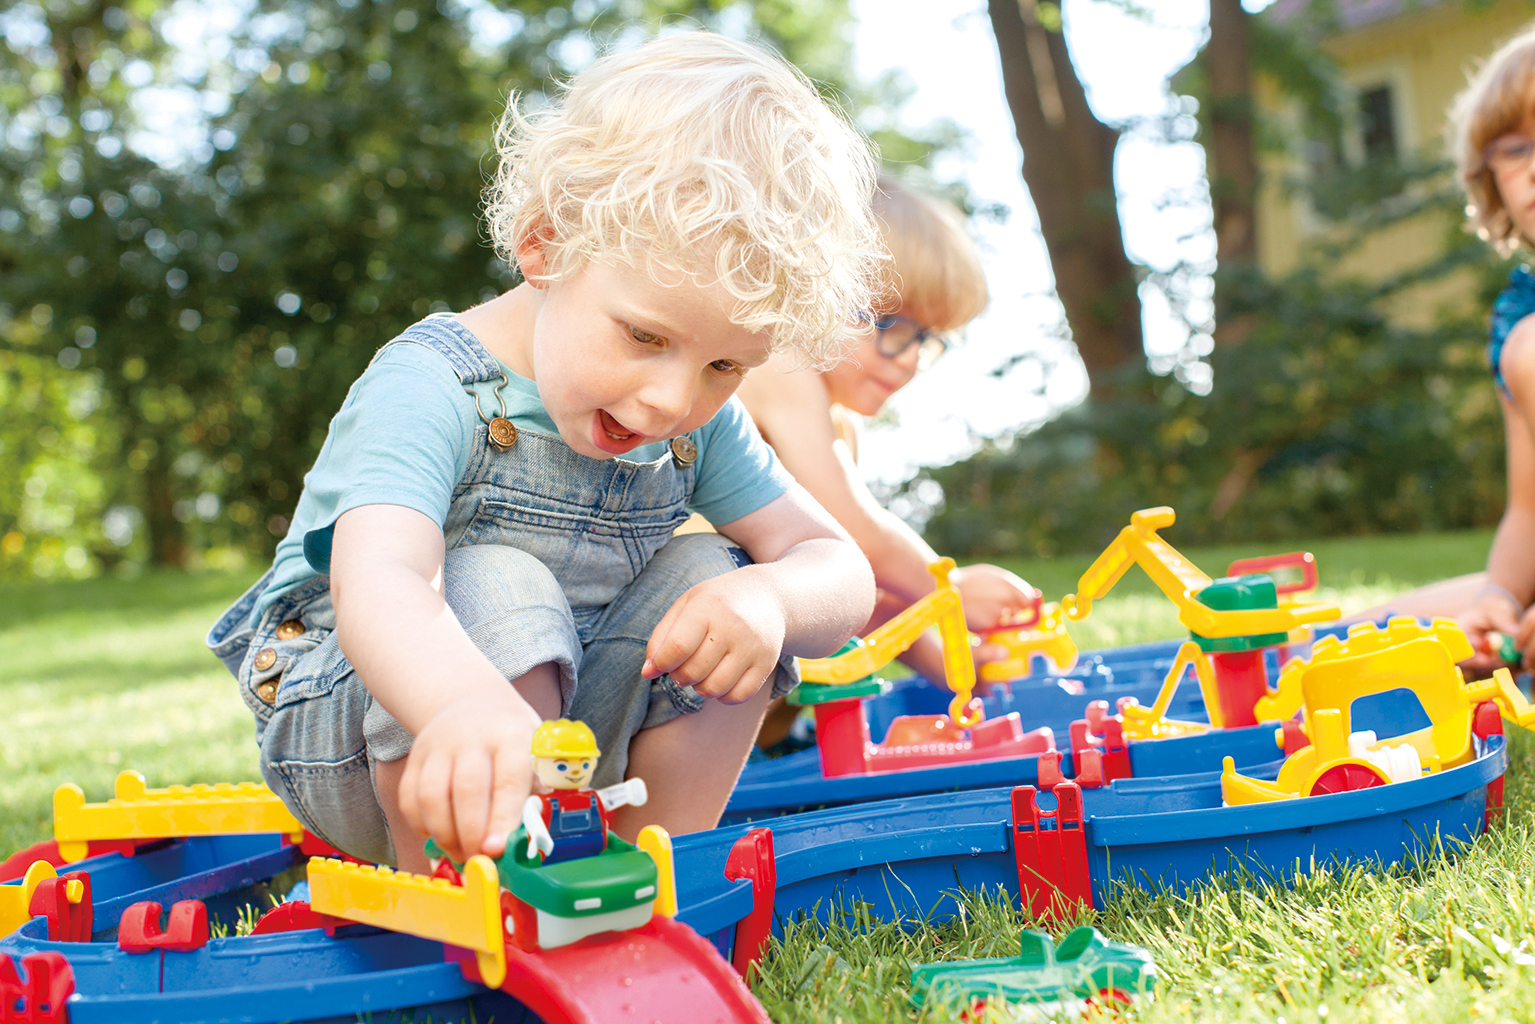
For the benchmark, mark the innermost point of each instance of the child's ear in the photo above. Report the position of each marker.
(532, 254)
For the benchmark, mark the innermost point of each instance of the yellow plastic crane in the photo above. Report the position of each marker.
(1181, 581)
(941, 608)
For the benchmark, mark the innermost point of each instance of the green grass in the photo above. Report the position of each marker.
(109, 674)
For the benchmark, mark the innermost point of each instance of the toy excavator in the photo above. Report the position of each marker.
(836, 686)
(1231, 619)
(1334, 758)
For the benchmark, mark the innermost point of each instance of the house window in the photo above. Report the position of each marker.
(1377, 123)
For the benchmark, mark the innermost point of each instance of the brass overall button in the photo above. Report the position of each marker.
(684, 450)
(290, 629)
(265, 659)
(267, 691)
(503, 433)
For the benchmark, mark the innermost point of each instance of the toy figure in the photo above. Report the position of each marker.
(571, 820)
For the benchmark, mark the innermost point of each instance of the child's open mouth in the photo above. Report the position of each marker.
(612, 436)
(613, 428)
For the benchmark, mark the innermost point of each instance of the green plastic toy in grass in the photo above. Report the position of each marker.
(1085, 968)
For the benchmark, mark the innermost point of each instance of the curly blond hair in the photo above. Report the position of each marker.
(1500, 97)
(696, 156)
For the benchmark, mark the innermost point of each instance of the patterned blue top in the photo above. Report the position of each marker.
(1513, 304)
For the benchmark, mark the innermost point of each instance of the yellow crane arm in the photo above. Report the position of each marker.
(941, 608)
(1180, 580)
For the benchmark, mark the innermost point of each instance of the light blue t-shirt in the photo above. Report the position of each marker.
(405, 433)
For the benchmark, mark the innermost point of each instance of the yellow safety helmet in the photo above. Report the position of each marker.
(564, 738)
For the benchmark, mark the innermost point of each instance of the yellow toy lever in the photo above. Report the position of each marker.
(941, 608)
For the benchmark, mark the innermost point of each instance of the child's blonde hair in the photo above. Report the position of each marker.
(935, 270)
(1498, 100)
(697, 149)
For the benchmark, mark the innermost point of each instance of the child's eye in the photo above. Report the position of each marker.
(644, 337)
(727, 366)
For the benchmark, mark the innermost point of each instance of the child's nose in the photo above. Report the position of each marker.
(670, 396)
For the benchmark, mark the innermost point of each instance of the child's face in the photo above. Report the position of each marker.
(621, 360)
(865, 379)
(1516, 178)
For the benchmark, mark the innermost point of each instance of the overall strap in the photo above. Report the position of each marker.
(441, 333)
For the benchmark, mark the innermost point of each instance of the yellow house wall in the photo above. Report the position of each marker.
(1427, 55)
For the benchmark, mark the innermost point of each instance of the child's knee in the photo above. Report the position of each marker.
(515, 612)
(484, 582)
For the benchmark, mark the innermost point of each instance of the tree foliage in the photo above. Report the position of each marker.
(1327, 419)
(175, 337)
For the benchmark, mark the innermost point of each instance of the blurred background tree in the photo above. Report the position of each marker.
(176, 333)
(1351, 393)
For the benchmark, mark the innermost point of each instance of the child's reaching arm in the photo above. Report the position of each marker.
(808, 591)
(1511, 561)
(468, 771)
(793, 412)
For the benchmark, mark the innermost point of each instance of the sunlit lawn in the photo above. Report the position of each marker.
(107, 674)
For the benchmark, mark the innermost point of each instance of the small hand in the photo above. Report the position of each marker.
(723, 638)
(1492, 614)
(468, 774)
(990, 594)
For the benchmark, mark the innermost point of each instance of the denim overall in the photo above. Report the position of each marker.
(551, 557)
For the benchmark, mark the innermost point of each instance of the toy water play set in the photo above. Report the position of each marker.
(1071, 777)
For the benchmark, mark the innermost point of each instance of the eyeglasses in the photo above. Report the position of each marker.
(896, 334)
(1510, 152)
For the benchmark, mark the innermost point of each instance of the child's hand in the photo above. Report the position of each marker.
(1524, 640)
(469, 771)
(1493, 613)
(723, 638)
(990, 594)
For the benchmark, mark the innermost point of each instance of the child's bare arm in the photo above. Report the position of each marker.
(1511, 561)
(469, 769)
(793, 412)
(809, 590)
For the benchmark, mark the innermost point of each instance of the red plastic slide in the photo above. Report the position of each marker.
(662, 972)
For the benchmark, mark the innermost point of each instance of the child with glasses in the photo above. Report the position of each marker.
(935, 285)
(1493, 134)
(486, 539)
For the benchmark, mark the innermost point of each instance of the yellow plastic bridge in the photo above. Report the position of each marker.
(139, 813)
(467, 916)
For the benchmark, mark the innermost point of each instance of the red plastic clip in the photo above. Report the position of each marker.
(752, 857)
(1051, 851)
(69, 920)
(1099, 737)
(1116, 755)
(41, 997)
(1487, 720)
(1049, 770)
(139, 929)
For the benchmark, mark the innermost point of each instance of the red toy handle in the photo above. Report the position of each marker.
(1302, 560)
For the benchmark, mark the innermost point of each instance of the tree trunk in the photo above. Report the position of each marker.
(1069, 169)
(1232, 167)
